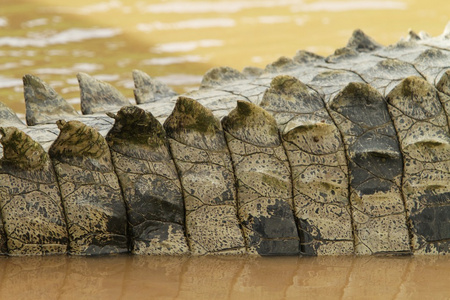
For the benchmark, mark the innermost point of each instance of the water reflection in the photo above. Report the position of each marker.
(144, 277)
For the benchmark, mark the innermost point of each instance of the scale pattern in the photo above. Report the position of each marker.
(345, 154)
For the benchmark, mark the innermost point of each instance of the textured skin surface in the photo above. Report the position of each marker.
(91, 195)
(149, 181)
(424, 137)
(30, 200)
(317, 159)
(201, 155)
(263, 178)
(314, 156)
(375, 169)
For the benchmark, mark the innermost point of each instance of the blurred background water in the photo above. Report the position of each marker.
(178, 41)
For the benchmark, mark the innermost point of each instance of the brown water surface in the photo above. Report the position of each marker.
(144, 277)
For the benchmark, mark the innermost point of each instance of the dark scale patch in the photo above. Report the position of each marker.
(149, 181)
(319, 169)
(264, 185)
(375, 168)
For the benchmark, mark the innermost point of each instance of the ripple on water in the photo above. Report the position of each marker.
(187, 24)
(162, 61)
(349, 5)
(63, 37)
(186, 46)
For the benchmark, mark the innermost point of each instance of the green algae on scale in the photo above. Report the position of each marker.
(91, 195)
(30, 201)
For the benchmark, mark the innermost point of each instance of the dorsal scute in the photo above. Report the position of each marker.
(97, 96)
(362, 104)
(303, 57)
(416, 98)
(362, 43)
(252, 72)
(288, 94)
(340, 54)
(219, 76)
(8, 117)
(193, 124)
(252, 123)
(135, 126)
(76, 139)
(21, 150)
(148, 89)
(43, 104)
(281, 64)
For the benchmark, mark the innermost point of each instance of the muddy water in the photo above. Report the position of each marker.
(177, 42)
(128, 277)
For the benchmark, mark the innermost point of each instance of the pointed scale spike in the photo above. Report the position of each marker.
(413, 36)
(344, 53)
(43, 104)
(148, 89)
(203, 161)
(362, 43)
(149, 181)
(97, 96)
(252, 72)
(219, 76)
(95, 210)
(281, 64)
(8, 117)
(32, 211)
(446, 33)
(303, 57)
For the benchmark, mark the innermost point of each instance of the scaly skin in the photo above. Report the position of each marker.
(347, 154)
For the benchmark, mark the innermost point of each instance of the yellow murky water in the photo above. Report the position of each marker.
(177, 42)
(128, 277)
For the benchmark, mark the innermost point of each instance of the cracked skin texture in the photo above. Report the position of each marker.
(318, 164)
(149, 181)
(264, 188)
(91, 195)
(201, 156)
(357, 150)
(30, 201)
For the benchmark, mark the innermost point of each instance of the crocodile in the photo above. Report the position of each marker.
(341, 155)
